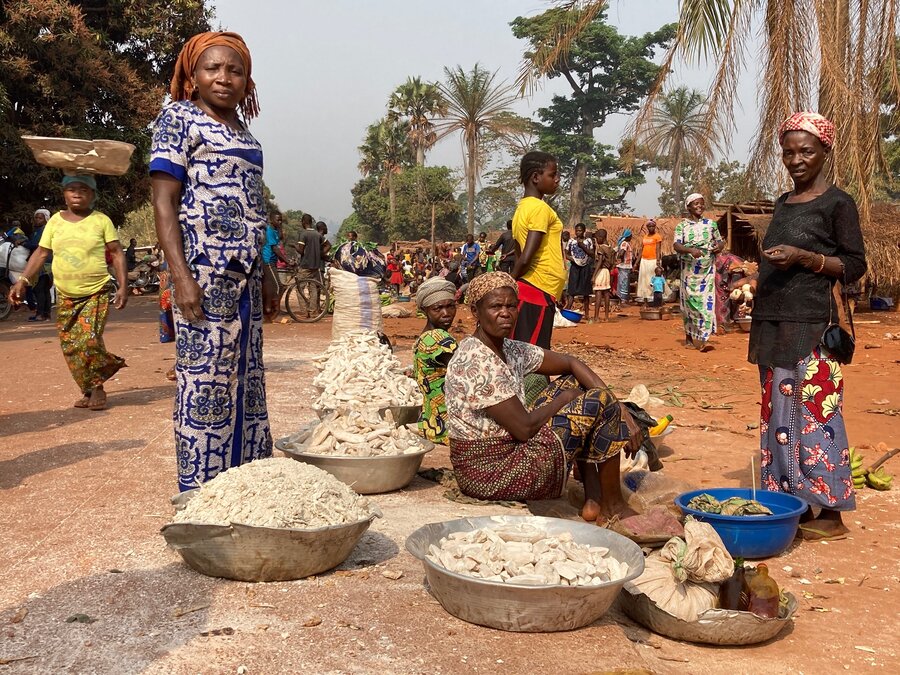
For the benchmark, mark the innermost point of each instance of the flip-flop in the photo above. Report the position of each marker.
(814, 534)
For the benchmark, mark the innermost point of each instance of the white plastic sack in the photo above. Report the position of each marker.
(701, 557)
(685, 601)
(357, 306)
(559, 321)
(16, 256)
(395, 311)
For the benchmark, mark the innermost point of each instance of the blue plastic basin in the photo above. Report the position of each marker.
(751, 536)
(571, 315)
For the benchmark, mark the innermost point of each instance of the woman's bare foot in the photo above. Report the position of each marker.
(170, 374)
(704, 346)
(590, 511)
(620, 511)
(83, 402)
(98, 399)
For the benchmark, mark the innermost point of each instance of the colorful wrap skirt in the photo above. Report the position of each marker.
(221, 420)
(803, 440)
(79, 324)
(589, 428)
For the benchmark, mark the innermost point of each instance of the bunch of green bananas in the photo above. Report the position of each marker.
(877, 480)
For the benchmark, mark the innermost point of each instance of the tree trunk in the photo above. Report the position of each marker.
(576, 194)
(420, 154)
(470, 185)
(392, 203)
(676, 180)
(579, 178)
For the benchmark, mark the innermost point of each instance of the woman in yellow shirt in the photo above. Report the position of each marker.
(539, 270)
(79, 238)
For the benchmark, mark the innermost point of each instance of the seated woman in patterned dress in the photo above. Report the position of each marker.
(501, 450)
(436, 297)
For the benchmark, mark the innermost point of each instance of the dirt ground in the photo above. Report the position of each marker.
(83, 495)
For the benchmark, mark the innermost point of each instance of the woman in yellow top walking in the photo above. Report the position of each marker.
(79, 238)
(539, 270)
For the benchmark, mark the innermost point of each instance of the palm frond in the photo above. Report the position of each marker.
(578, 15)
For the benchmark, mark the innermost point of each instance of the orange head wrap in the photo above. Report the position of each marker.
(181, 88)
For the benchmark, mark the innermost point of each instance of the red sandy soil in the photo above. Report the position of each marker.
(83, 495)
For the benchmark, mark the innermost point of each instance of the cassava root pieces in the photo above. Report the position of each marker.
(276, 492)
(524, 554)
(356, 433)
(358, 371)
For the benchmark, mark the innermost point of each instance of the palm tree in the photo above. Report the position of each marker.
(474, 99)
(676, 131)
(418, 103)
(837, 55)
(384, 153)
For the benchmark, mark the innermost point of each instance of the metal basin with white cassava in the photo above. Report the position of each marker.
(519, 607)
(249, 553)
(349, 447)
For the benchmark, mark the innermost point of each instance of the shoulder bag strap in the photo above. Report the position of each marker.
(845, 315)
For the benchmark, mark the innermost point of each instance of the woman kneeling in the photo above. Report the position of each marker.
(502, 450)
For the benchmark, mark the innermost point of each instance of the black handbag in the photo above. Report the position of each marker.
(839, 339)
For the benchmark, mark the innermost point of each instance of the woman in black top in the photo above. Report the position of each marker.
(813, 241)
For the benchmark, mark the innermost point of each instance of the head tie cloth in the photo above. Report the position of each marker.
(84, 180)
(694, 196)
(434, 290)
(811, 122)
(181, 88)
(485, 283)
(623, 236)
(43, 212)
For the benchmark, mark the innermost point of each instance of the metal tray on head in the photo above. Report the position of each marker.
(81, 156)
(514, 607)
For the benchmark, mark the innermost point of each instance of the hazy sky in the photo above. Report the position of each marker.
(325, 69)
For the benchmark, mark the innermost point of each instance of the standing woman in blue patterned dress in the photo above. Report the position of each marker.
(206, 173)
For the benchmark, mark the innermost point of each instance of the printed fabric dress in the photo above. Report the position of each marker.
(803, 440)
(431, 353)
(487, 461)
(221, 420)
(698, 277)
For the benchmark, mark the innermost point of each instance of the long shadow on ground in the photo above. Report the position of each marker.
(15, 471)
(45, 420)
(108, 622)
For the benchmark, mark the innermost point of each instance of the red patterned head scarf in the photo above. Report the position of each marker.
(181, 88)
(810, 122)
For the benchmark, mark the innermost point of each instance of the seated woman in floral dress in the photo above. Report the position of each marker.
(501, 450)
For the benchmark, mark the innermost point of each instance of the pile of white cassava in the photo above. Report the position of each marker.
(356, 433)
(358, 371)
(525, 554)
(276, 492)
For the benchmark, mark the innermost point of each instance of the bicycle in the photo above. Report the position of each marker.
(307, 300)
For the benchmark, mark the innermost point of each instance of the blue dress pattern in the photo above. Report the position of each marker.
(220, 414)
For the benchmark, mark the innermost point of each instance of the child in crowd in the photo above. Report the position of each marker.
(605, 261)
(658, 284)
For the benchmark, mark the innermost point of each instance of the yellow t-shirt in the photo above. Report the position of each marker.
(547, 269)
(79, 253)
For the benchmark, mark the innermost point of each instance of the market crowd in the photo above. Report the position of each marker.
(519, 417)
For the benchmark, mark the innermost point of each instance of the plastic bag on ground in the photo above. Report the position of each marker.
(643, 489)
(559, 321)
(640, 396)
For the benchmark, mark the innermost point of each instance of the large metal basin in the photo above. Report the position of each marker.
(366, 475)
(513, 607)
(248, 553)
